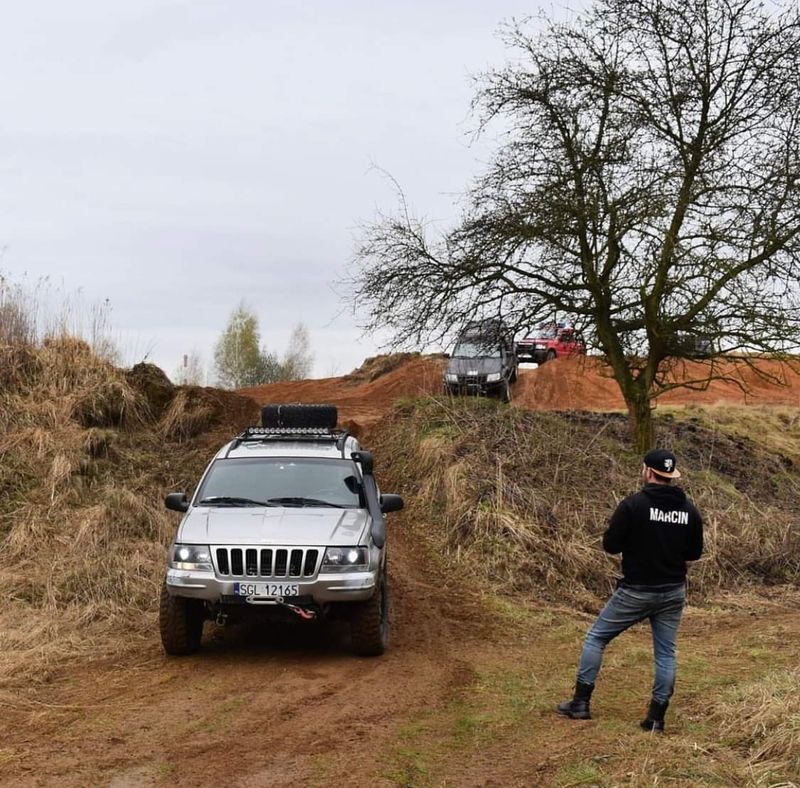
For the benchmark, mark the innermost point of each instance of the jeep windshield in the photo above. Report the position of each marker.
(279, 481)
(475, 348)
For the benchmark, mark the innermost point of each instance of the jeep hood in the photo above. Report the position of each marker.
(288, 526)
(477, 366)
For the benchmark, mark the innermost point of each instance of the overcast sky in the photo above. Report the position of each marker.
(177, 156)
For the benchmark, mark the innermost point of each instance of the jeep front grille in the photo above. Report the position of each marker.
(266, 562)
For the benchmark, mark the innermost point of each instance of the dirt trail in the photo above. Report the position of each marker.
(290, 708)
(463, 698)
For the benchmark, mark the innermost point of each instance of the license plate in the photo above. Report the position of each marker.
(266, 590)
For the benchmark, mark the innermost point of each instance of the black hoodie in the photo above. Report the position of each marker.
(657, 530)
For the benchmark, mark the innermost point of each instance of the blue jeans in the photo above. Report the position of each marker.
(629, 606)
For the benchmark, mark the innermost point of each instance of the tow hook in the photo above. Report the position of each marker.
(222, 619)
(304, 613)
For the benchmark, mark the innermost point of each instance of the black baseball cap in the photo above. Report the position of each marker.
(663, 462)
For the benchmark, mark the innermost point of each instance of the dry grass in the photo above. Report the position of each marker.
(87, 452)
(521, 499)
(762, 719)
(188, 415)
(517, 501)
(775, 428)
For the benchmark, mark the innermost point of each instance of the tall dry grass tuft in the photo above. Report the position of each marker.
(85, 460)
(519, 499)
(188, 415)
(762, 718)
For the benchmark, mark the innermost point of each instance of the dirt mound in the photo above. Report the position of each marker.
(366, 394)
(494, 487)
(362, 404)
(375, 366)
(86, 460)
(153, 384)
(587, 384)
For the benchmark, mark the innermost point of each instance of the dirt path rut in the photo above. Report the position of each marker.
(291, 707)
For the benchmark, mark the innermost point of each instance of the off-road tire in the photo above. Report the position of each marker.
(369, 623)
(322, 416)
(551, 355)
(180, 622)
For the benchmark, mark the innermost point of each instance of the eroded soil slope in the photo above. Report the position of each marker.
(564, 384)
(364, 396)
(586, 384)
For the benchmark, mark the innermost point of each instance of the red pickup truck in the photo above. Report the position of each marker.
(550, 341)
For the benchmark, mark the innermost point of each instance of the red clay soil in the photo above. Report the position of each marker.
(564, 384)
(359, 403)
(586, 384)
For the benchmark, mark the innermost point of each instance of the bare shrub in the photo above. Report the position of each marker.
(17, 314)
(188, 415)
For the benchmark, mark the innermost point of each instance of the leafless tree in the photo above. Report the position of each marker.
(298, 359)
(647, 188)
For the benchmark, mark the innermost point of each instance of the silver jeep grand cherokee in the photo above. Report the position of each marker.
(286, 522)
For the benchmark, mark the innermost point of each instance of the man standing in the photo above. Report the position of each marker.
(657, 530)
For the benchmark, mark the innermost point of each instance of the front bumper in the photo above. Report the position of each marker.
(331, 587)
(474, 388)
(533, 354)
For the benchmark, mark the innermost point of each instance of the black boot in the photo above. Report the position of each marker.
(578, 707)
(655, 717)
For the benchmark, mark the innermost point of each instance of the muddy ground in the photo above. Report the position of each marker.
(464, 697)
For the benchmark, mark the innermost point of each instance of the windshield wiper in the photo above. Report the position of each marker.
(233, 500)
(300, 501)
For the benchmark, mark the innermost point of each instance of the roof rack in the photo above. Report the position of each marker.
(277, 434)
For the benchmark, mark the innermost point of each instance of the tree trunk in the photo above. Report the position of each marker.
(640, 416)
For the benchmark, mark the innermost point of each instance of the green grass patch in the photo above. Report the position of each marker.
(580, 773)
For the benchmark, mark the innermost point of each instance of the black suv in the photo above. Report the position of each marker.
(483, 362)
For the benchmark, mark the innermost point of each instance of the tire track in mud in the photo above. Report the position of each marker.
(263, 710)
(293, 708)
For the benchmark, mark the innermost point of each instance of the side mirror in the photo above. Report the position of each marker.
(391, 503)
(177, 502)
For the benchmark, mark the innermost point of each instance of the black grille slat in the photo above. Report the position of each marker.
(274, 562)
(296, 563)
(311, 563)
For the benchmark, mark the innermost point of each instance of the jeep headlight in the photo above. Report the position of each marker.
(493, 377)
(451, 377)
(344, 559)
(191, 556)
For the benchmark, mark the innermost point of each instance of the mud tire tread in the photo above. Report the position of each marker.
(367, 623)
(180, 623)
